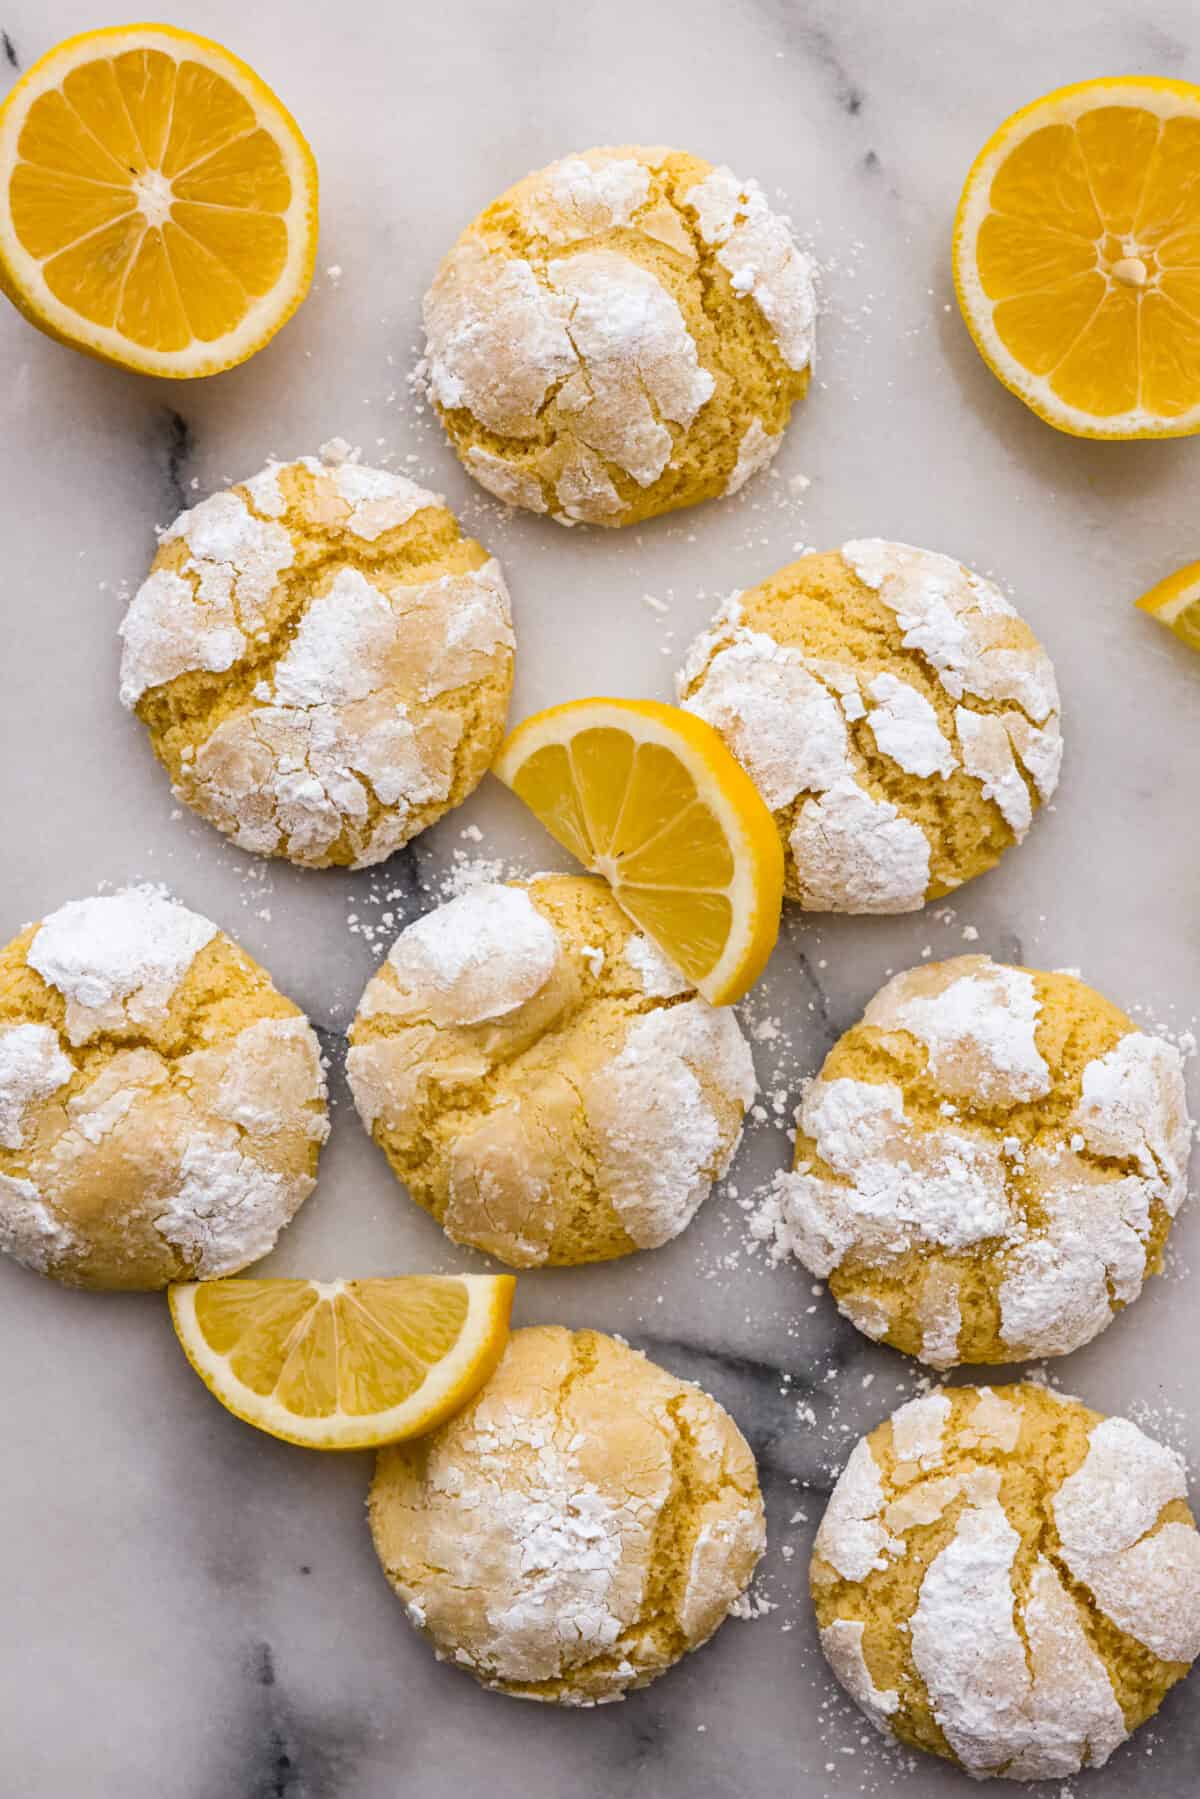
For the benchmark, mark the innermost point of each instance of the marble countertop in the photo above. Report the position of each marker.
(193, 1611)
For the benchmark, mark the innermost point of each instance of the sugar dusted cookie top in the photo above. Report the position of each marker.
(620, 334)
(898, 717)
(585, 1521)
(987, 1166)
(1007, 1579)
(322, 660)
(542, 1080)
(161, 1104)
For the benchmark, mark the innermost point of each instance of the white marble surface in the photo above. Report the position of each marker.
(191, 1610)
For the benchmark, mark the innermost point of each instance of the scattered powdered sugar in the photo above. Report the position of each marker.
(32, 1067)
(478, 957)
(118, 958)
(660, 1144)
(756, 248)
(1146, 1580)
(978, 1020)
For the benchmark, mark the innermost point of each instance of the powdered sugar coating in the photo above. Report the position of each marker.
(841, 1642)
(756, 449)
(1146, 1579)
(979, 1029)
(185, 1142)
(582, 197)
(595, 1098)
(957, 620)
(32, 1067)
(117, 959)
(1062, 1216)
(587, 357)
(788, 715)
(856, 853)
(522, 1537)
(755, 246)
(990, 1631)
(346, 735)
(478, 957)
(660, 1144)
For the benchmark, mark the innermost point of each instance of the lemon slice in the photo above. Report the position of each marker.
(1175, 603)
(650, 798)
(344, 1364)
(1077, 257)
(158, 206)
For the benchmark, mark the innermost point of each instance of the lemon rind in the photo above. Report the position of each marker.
(453, 1381)
(724, 785)
(1064, 105)
(21, 276)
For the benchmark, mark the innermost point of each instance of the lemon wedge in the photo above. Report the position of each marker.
(1077, 256)
(158, 205)
(1175, 603)
(649, 797)
(344, 1364)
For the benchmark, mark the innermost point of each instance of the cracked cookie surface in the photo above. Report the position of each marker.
(586, 1521)
(322, 660)
(542, 1079)
(162, 1106)
(897, 716)
(1007, 1579)
(987, 1165)
(620, 334)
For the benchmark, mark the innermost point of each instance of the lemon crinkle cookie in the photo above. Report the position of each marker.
(1005, 1578)
(586, 1521)
(322, 660)
(620, 334)
(897, 716)
(542, 1079)
(161, 1104)
(987, 1165)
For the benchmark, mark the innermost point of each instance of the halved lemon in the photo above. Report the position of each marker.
(158, 205)
(1077, 256)
(1175, 603)
(344, 1364)
(649, 797)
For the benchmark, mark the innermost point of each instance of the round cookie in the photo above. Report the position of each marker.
(620, 334)
(987, 1165)
(897, 716)
(322, 660)
(585, 1521)
(161, 1104)
(542, 1079)
(1006, 1578)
